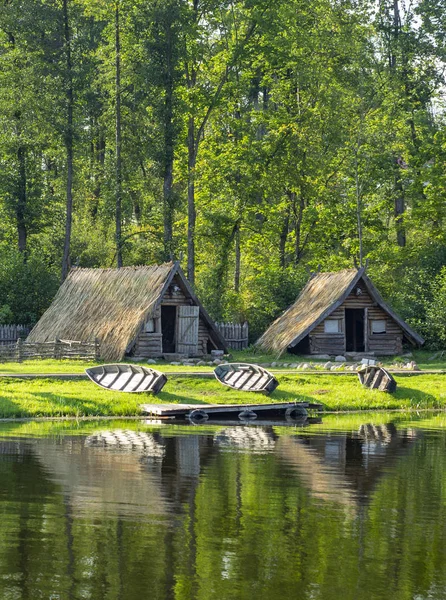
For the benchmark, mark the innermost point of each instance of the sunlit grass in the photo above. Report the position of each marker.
(58, 398)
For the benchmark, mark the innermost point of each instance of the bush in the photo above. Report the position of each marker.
(26, 288)
(436, 311)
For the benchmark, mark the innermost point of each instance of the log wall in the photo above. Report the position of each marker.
(329, 343)
(149, 345)
(388, 343)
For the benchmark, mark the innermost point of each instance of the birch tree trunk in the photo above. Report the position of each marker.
(68, 141)
(118, 136)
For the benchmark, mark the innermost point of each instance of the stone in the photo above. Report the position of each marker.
(340, 359)
(217, 353)
(217, 361)
(285, 365)
(210, 363)
(293, 366)
(151, 361)
(321, 356)
(175, 363)
(412, 366)
(328, 366)
(200, 363)
(273, 365)
(265, 365)
(306, 366)
(138, 359)
(368, 362)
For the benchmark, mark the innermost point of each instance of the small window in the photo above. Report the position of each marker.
(150, 326)
(332, 326)
(378, 327)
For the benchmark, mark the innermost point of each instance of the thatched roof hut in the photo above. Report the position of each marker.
(336, 313)
(132, 309)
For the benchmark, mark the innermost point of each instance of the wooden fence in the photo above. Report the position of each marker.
(235, 334)
(58, 349)
(9, 334)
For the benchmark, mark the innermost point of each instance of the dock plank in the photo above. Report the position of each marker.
(181, 410)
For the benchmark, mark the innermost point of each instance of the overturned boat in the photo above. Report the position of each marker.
(127, 378)
(377, 378)
(246, 377)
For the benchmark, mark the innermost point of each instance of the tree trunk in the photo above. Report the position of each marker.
(283, 238)
(21, 202)
(118, 163)
(68, 142)
(191, 212)
(358, 205)
(298, 213)
(399, 203)
(168, 197)
(237, 259)
(399, 208)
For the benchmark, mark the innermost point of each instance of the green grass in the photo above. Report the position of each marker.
(58, 398)
(78, 398)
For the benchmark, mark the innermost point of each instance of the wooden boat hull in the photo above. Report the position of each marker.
(246, 378)
(377, 378)
(127, 378)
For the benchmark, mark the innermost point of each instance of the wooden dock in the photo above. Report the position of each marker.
(290, 411)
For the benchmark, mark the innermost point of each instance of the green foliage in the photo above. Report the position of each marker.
(26, 288)
(6, 315)
(436, 310)
(319, 132)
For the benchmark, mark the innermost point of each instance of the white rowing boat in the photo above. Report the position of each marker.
(377, 378)
(246, 377)
(127, 378)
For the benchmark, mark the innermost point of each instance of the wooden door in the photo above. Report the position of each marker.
(187, 330)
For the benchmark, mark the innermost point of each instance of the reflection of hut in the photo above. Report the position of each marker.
(99, 478)
(336, 313)
(346, 467)
(148, 311)
(324, 482)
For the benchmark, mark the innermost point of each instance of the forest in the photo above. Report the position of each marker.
(254, 141)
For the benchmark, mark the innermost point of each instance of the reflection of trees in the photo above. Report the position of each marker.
(211, 524)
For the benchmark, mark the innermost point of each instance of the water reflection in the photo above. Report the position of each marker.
(230, 512)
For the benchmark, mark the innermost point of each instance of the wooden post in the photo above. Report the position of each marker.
(97, 349)
(56, 351)
(19, 350)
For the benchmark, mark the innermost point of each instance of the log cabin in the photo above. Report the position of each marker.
(147, 311)
(338, 313)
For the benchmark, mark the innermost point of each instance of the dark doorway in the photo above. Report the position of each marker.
(303, 347)
(168, 320)
(354, 329)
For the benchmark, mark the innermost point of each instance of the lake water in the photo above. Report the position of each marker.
(350, 508)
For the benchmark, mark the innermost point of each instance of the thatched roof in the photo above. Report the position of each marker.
(110, 305)
(323, 294)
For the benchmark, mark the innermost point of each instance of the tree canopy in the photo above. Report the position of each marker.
(253, 141)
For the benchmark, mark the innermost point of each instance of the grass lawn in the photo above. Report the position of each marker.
(58, 398)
